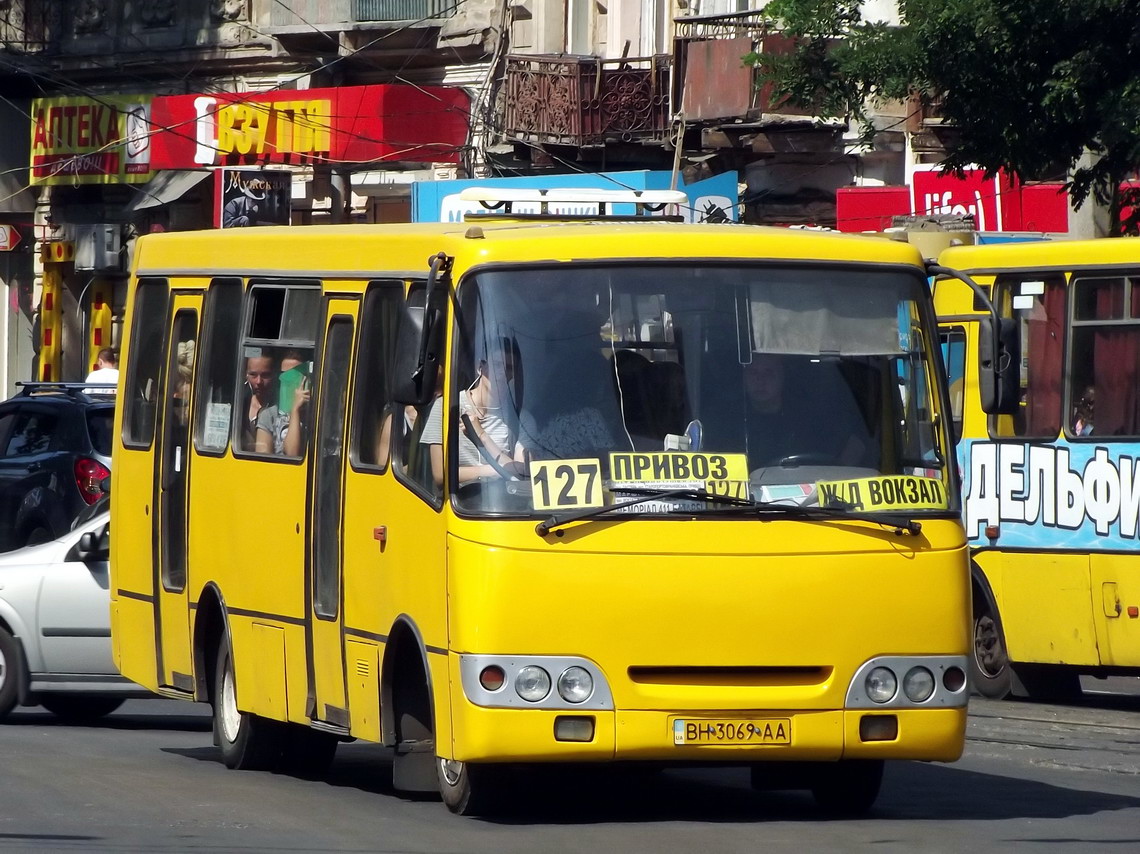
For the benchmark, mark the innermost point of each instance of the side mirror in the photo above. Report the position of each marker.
(93, 546)
(999, 366)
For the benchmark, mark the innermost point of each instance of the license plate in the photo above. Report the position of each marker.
(732, 731)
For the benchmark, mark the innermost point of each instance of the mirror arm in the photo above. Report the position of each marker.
(979, 292)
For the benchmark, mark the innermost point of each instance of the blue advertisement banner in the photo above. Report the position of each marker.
(712, 200)
(1081, 496)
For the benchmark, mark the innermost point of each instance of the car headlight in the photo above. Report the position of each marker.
(575, 685)
(532, 683)
(918, 684)
(881, 685)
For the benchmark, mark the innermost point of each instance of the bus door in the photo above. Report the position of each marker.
(327, 690)
(175, 661)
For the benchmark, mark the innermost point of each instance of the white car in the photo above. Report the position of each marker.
(55, 627)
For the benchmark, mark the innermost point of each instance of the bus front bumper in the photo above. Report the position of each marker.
(529, 735)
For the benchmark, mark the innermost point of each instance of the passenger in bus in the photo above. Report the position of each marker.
(283, 432)
(482, 403)
(259, 392)
(1083, 412)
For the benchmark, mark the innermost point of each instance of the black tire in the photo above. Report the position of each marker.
(38, 535)
(989, 663)
(248, 742)
(10, 669)
(79, 708)
(468, 789)
(848, 787)
(307, 752)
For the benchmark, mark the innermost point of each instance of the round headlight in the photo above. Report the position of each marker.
(881, 685)
(532, 683)
(918, 684)
(576, 685)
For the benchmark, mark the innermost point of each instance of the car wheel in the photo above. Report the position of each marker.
(38, 535)
(848, 787)
(468, 789)
(248, 742)
(9, 673)
(79, 708)
(989, 664)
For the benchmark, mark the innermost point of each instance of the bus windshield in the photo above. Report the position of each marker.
(796, 375)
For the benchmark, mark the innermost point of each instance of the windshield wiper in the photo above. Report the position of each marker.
(643, 495)
(840, 510)
(793, 511)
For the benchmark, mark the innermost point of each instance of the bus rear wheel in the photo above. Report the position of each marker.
(848, 787)
(248, 742)
(989, 662)
(468, 789)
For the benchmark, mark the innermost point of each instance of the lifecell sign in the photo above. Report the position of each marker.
(935, 193)
(98, 140)
(355, 124)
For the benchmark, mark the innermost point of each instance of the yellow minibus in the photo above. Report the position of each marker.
(522, 491)
(1052, 488)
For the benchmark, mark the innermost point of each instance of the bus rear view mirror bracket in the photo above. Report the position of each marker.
(999, 351)
(419, 340)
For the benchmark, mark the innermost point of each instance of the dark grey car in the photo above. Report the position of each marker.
(55, 451)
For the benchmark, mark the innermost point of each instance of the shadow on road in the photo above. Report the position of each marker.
(127, 721)
(577, 795)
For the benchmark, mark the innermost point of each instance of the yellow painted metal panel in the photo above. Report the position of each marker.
(362, 663)
(1116, 581)
(1045, 602)
(268, 698)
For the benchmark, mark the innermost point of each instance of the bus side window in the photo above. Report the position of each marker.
(1038, 304)
(411, 458)
(280, 335)
(148, 327)
(373, 412)
(1104, 365)
(215, 395)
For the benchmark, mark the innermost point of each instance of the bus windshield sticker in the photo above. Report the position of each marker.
(721, 474)
(566, 484)
(890, 492)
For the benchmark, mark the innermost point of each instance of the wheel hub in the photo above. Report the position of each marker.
(230, 717)
(452, 770)
(988, 652)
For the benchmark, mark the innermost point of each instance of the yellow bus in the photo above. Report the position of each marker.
(1052, 490)
(516, 492)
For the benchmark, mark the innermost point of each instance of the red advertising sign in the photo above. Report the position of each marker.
(91, 140)
(973, 193)
(355, 124)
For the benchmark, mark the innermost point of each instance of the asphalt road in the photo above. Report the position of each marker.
(1034, 777)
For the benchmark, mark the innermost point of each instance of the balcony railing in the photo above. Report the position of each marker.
(329, 13)
(583, 101)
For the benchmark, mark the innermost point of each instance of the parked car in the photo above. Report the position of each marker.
(55, 626)
(55, 451)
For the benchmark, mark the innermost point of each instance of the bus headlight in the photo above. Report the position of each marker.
(881, 685)
(532, 683)
(918, 684)
(575, 685)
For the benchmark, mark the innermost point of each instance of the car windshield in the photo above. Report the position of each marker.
(100, 422)
(775, 379)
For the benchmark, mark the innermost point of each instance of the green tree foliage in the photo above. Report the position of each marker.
(1029, 84)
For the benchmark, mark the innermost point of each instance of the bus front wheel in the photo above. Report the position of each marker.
(848, 787)
(248, 742)
(989, 663)
(467, 789)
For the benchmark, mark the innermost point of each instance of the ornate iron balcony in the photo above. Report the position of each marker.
(585, 101)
